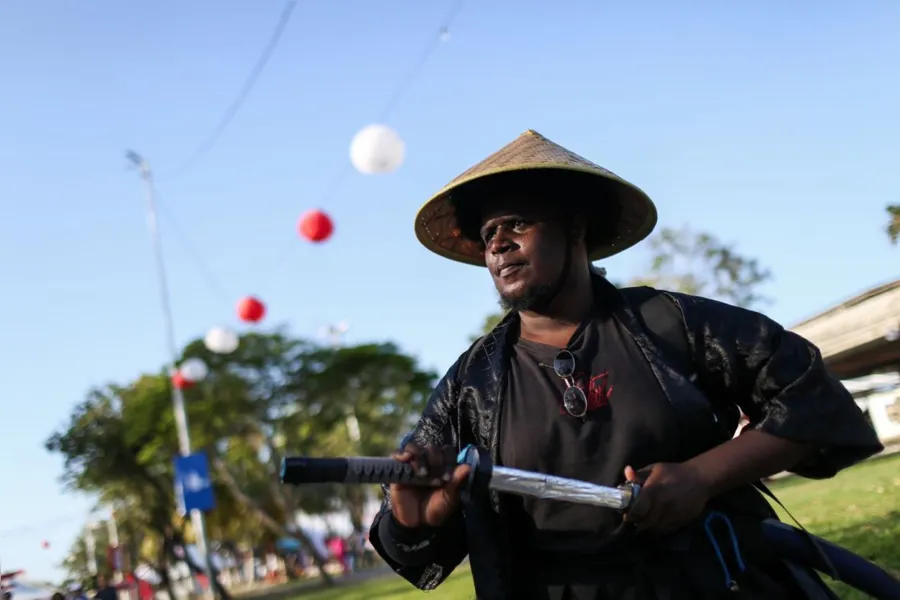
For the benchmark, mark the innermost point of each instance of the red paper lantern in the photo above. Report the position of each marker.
(45, 545)
(180, 382)
(251, 310)
(315, 226)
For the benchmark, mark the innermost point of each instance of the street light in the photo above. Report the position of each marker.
(335, 333)
(112, 530)
(90, 547)
(181, 421)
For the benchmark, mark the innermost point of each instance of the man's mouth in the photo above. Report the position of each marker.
(510, 269)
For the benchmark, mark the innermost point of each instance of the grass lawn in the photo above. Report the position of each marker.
(859, 509)
(389, 587)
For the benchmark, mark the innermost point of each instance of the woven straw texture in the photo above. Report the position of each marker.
(436, 225)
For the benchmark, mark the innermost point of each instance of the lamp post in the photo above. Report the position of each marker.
(116, 553)
(181, 420)
(90, 547)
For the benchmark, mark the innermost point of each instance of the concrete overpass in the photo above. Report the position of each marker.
(860, 342)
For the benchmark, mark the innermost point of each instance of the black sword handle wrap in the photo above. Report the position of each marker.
(299, 470)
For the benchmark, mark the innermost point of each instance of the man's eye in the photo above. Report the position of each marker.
(519, 225)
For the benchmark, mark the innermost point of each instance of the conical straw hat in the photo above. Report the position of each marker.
(601, 193)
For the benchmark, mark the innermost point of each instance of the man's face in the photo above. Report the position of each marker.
(526, 248)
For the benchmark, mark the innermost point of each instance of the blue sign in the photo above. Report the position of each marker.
(193, 487)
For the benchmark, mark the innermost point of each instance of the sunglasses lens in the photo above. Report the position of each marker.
(575, 402)
(564, 364)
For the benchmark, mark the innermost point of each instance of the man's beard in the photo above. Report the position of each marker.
(535, 297)
(539, 296)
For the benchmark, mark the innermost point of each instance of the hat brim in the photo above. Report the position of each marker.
(601, 196)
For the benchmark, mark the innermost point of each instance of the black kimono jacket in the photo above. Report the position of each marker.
(740, 357)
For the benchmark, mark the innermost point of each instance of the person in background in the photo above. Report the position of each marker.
(76, 592)
(355, 546)
(105, 590)
(300, 562)
(338, 549)
(369, 554)
(349, 554)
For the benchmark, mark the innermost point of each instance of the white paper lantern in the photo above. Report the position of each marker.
(377, 149)
(193, 369)
(221, 340)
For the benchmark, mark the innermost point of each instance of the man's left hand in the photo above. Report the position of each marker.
(671, 496)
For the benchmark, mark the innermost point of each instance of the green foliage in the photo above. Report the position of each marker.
(490, 321)
(893, 226)
(699, 264)
(856, 510)
(275, 395)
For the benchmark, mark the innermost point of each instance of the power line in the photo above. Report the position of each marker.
(335, 184)
(182, 238)
(400, 91)
(413, 74)
(42, 526)
(403, 86)
(236, 104)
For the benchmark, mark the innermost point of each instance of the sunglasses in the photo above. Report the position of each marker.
(574, 400)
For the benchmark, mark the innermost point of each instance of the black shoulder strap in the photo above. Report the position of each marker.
(664, 323)
(663, 319)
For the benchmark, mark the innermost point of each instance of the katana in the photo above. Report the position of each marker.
(483, 474)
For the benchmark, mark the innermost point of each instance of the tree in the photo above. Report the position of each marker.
(699, 264)
(275, 395)
(893, 226)
(490, 322)
(302, 397)
(118, 445)
(379, 387)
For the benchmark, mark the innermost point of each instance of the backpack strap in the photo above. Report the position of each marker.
(665, 324)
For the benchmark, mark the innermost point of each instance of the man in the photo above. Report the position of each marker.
(583, 380)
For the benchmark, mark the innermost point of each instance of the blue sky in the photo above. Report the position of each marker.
(773, 125)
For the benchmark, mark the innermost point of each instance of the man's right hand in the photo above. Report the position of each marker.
(417, 506)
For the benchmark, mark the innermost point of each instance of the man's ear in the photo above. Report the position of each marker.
(578, 230)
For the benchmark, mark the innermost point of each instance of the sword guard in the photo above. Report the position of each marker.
(630, 490)
(480, 467)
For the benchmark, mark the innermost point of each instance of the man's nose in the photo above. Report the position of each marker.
(500, 243)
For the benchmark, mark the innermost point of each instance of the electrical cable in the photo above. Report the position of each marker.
(236, 104)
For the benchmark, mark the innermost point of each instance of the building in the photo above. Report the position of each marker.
(860, 342)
